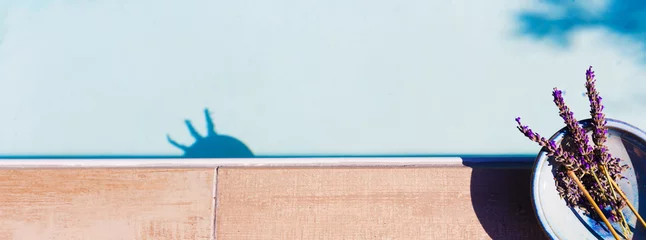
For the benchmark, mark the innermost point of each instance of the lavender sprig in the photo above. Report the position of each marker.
(566, 186)
(582, 168)
(610, 165)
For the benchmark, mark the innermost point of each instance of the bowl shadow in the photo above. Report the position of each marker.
(636, 151)
(501, 198)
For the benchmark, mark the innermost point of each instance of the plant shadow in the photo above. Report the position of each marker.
(213, 145)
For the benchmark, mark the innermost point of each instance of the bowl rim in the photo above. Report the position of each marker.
(542, 157)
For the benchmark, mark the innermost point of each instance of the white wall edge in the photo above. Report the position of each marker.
(232, 162)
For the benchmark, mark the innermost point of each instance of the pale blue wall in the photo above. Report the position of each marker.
(307, 77)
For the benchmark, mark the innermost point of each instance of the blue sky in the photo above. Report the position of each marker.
(294, 77)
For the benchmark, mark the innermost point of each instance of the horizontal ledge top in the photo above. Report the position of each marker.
(228, 162)
(249, 162)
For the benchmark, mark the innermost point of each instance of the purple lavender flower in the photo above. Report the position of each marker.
(553, 149)
(600, 131)
(596, 108)
(578, 133)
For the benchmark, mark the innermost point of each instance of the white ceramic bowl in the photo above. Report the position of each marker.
(560, 221)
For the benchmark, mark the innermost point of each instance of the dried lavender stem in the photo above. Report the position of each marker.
(615, 188)
(594, 204)
(624, 225)
(623, 195)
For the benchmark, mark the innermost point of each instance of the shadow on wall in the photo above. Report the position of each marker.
(501, 197)
(213, 145)
(563, 17)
